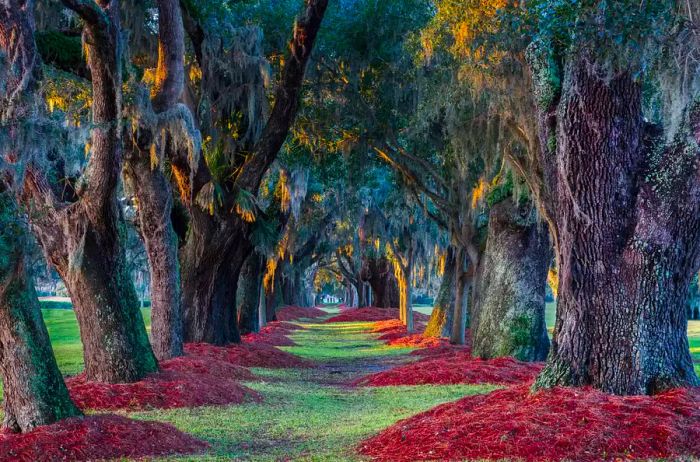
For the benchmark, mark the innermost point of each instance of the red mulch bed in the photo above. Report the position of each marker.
(552, 425)
(455, 367)
(275, 334)
(394, 334)
(373, 315)
(168, 389)
(292, 313)
(249, 355)
(98, 438)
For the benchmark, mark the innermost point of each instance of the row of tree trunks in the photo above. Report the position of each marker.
(34, 391)
(507, 318)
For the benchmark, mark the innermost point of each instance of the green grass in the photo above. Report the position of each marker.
(340, 341)
(310, 414)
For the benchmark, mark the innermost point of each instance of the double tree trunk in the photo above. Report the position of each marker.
(508, 314)
(34, 391)
(627, 226)
(84, 240)
(440, 323)
(248, 296)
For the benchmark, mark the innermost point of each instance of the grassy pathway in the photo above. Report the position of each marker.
(312, 414)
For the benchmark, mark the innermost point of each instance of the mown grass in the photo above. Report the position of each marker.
(303, 420)
(340, 341)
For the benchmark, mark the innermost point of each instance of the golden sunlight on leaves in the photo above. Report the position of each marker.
(479, 193)
(553, 281)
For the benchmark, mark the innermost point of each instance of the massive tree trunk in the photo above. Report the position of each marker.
(83, 240)
(626, 220)
(152, 188)
(248, 296)
(211, 264)
(508, 314)
(34, 391)
(440, 322)
(385, 289)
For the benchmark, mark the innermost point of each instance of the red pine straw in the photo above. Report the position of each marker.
(394, 334)
(98, 438)
(249, 355)
(292, 313)
(455, 368)
(163, 390)
(275, 333)
(552, 425)
(373, 314)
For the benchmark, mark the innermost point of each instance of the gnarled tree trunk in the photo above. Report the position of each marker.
(34, 391)
(211, 264)
(83, 239)
(385, 289)
(508, 314)
(627, 226)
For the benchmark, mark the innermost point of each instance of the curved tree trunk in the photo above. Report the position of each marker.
(83, 240)
(440, 322)
(34, 391)
(627, 223)
(508, 314)
(248, 294)
(152, 188)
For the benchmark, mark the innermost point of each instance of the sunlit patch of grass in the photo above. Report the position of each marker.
(340, 341)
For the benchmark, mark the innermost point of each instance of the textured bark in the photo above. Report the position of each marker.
(211, 264)
(83, 239)
(248, 296)
(626, 220)
(440, 322)
(34, 391)
(153, 190)
(385, 289)
(464, 275)
(508, 314)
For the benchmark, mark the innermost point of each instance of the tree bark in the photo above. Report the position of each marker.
(508, 314)
(463, 282)
(211, 265)
(627, 227)
(153, 190)
(248, 296)
(83, 240)
(384, 286)
(34, 391)
(440, 322)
